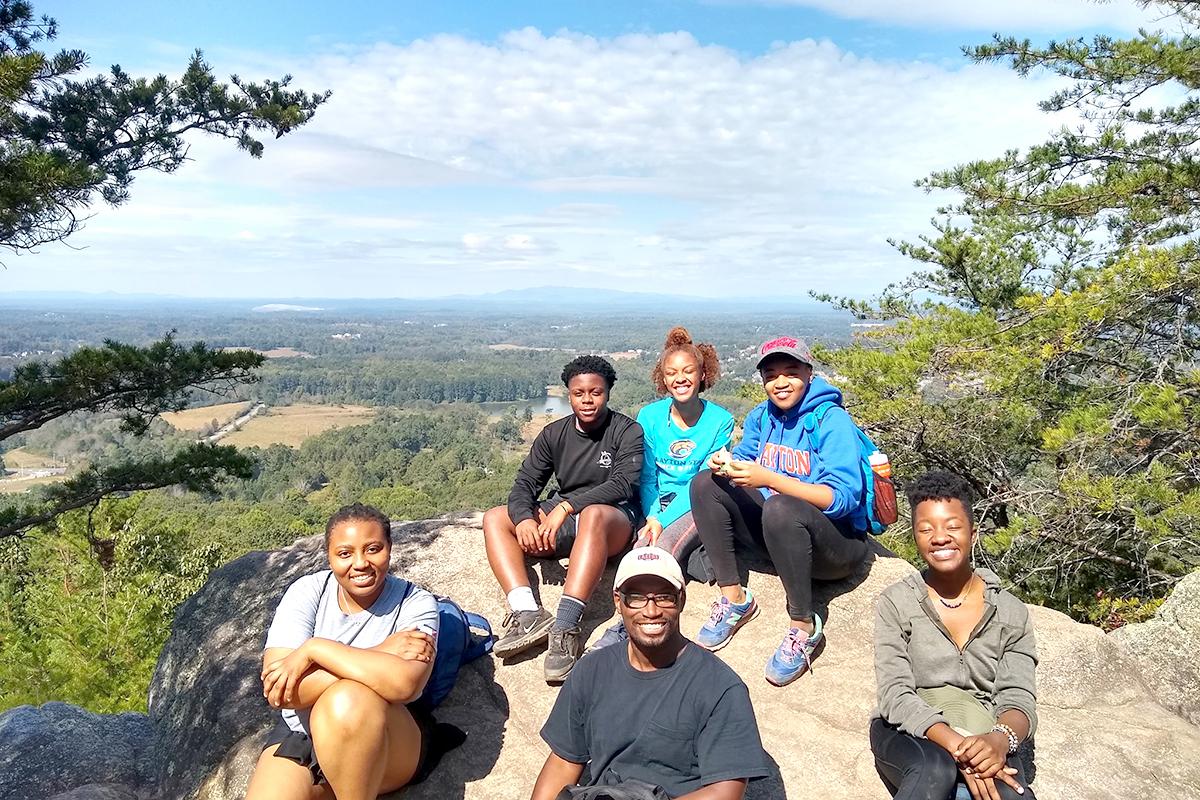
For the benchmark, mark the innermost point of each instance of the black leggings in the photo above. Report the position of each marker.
(918, 769)
(799, 540)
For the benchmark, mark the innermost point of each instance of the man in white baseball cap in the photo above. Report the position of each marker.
(658, 712)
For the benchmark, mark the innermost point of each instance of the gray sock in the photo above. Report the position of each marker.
(570, 613)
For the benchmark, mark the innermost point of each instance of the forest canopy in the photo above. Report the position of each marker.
(1047, 345)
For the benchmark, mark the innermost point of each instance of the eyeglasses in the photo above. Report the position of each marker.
(635, 600)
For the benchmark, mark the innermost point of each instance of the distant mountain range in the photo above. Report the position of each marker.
(510, 299)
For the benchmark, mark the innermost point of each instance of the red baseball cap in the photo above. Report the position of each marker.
(788, 346)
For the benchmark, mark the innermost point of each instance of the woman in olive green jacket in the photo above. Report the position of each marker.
(954, 663)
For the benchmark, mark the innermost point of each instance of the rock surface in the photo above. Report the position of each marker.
(1103, 731)
(58, 749)
(1166, 649)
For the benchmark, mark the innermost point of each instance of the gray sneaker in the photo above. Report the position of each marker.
(614, 635)
(562, 653)
(522, 630)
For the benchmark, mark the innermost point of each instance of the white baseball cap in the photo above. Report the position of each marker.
(649, 561)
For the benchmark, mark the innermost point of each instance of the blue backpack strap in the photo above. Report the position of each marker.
(812, 420)
(480, 646)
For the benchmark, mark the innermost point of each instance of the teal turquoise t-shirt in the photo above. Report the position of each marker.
(673, 456)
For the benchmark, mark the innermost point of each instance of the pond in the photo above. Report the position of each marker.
(553, 405)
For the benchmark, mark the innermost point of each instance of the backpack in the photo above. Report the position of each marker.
(879, 506)
(457, 646)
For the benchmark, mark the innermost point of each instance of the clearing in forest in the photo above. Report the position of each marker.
(291, 425)
(195, 419)
(20, 458)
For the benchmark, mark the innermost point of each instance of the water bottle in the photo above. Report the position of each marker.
(886, 509)
(880, 464)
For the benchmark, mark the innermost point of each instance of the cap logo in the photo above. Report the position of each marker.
(648, 557)
(782, 341)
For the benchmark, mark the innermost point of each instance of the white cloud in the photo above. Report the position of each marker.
(475, 241)
(1014, 16)
(519, 241)
(651, 158)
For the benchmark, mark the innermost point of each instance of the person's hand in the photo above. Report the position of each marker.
(529, 537)
(719, 460)
(985, 788)
(749, 474)
(650, 531)
(282, 677)
(549, 526)
(986, 755)
(410, 645)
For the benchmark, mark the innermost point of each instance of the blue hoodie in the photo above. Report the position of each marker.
(829, 456)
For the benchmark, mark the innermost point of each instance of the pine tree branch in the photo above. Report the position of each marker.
(197, 468)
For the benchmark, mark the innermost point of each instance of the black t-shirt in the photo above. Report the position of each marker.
(683, 727)
(601, 466)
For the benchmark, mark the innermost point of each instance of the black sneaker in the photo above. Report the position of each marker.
(562, 653)
(522, 630)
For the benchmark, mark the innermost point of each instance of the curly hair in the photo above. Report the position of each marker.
(589, 365)
(679, 340)
(941, 485)
(358, 512)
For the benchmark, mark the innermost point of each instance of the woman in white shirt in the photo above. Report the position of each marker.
(348, 649)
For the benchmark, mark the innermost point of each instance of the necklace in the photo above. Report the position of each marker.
(958, 601)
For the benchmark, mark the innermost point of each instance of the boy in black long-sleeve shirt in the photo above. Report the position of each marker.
(596, 457)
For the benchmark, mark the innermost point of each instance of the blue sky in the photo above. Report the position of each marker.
(712, 149)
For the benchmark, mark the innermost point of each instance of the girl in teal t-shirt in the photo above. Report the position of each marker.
(681, 431)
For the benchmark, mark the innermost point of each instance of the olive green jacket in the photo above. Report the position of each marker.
(913, 650)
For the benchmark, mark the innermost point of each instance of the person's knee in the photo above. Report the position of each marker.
(782, 517)
(703, 487)
(597, 520)
(496, 521)
(347, 706)
(936, 774)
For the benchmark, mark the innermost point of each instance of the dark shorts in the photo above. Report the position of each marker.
(299, 748)
(564, 540)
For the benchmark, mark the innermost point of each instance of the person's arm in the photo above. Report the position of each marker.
(837, 465)
(306, 691)
(835, 485)
(293, 624)
(622, 482)
(298, 678)
(896, 687)
(532, 477)
(1016, 678)
(1014, 693)
(408, 645)
(556, 774)
(565, 731)
(729, 750)
(756, 476)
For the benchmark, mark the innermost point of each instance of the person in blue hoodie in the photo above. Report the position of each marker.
(792, 491)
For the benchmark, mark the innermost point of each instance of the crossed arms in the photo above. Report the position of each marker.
(396, 669)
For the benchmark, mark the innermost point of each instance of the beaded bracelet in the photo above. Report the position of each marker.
(1013, 741)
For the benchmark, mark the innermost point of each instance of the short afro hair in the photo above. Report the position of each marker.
(589, 365)
(679, 340)
(358, 512)
(941, 485)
